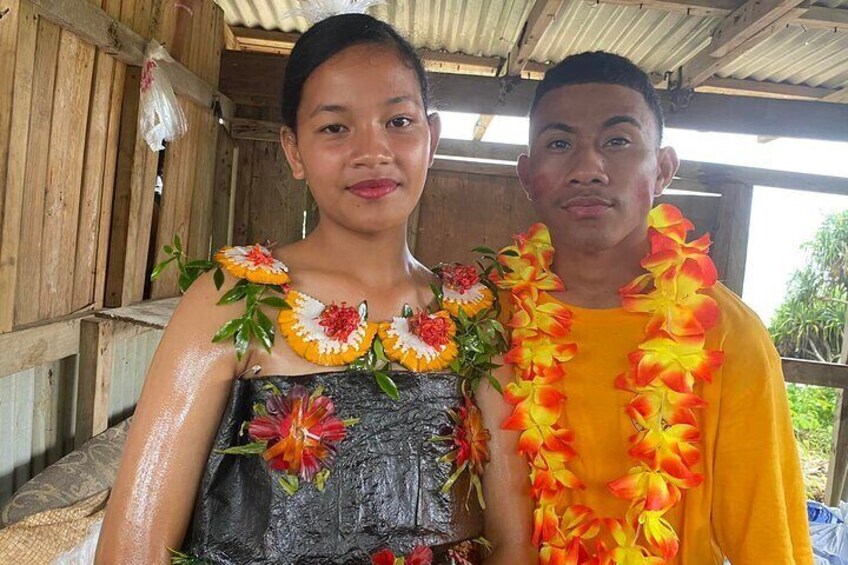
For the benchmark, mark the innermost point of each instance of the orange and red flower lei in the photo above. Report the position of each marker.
(663, 371)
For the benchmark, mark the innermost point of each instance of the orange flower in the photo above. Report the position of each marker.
(422, 342)
(664, 369)
(462, 290)
(471, 442)
(331, 336)
(301, 432)
(254, 263)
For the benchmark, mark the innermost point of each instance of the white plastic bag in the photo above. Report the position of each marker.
(160, 116)
(830, 541)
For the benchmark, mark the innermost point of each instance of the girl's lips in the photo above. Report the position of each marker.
(374, 188)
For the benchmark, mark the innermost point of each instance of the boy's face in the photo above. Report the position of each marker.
(595, 165)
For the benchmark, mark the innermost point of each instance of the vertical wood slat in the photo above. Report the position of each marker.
(7, 445)
(225, 166)
(15, 180)
(93, 182)
(64, 174)
(8, 50)
(132, 206)
(95, 371)
(244, 190)
(730, 247)
(22, 432)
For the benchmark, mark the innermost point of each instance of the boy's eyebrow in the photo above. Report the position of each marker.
(623, 119)
(559, 126)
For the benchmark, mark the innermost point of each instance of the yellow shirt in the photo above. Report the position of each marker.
(751, 506)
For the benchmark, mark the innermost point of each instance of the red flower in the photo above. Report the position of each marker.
(259, 257)
(339, 321)
(384, 557)
(459, 277)
(432, 330)
(470, 437)
(420, 556)
(301, 431)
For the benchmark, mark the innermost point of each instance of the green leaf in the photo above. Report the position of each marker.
(201, 264)
(509, 253)
(242, 338)
(321, 479)
(495, 383)
(168, 249)
(438, 293)
(380, 351)
(252, 448)
(484, 250)
(264, 330)
(185, 281)
(290, 484)
(238, 292)
(157, 270)
(275, 302)
(350, 422)
(218, 277)
(227, 330)
(178, 245)
(387, 385)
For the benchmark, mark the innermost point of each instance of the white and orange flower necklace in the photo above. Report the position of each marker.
(663, 371)
(335, 335)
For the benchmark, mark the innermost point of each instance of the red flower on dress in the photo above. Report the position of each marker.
(301, 431)
(420, 556)
(435, 331)
(459, 277)
(339, 321)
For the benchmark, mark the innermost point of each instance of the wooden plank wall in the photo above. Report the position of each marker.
(189, 170)
(76, 199)
(38, 407)
(269, 203)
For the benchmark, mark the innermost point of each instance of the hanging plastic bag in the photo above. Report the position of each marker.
(830, 536)
(160, 117)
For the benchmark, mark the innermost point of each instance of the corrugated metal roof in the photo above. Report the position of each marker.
(656, 40)
(796, 56)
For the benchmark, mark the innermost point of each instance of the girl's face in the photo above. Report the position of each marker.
(364, 141)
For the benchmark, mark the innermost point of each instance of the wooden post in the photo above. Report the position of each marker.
(730, 247)
(837, 470)
(95, 378)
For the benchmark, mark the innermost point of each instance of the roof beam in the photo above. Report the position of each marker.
(482, 125)
(542, 15)
(747, 21)
(817, 17)
(748, 26)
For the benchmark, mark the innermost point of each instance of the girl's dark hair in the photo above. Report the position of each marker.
(330, 36)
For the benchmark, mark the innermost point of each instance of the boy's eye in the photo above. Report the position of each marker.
(400, 122)
(619, 142)
(558, 144)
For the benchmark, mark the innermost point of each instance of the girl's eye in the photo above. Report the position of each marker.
(333, 128)
(400, 122)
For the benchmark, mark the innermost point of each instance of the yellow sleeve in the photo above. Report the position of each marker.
(759, 504)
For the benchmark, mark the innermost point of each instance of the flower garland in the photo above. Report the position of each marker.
(663, 371)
